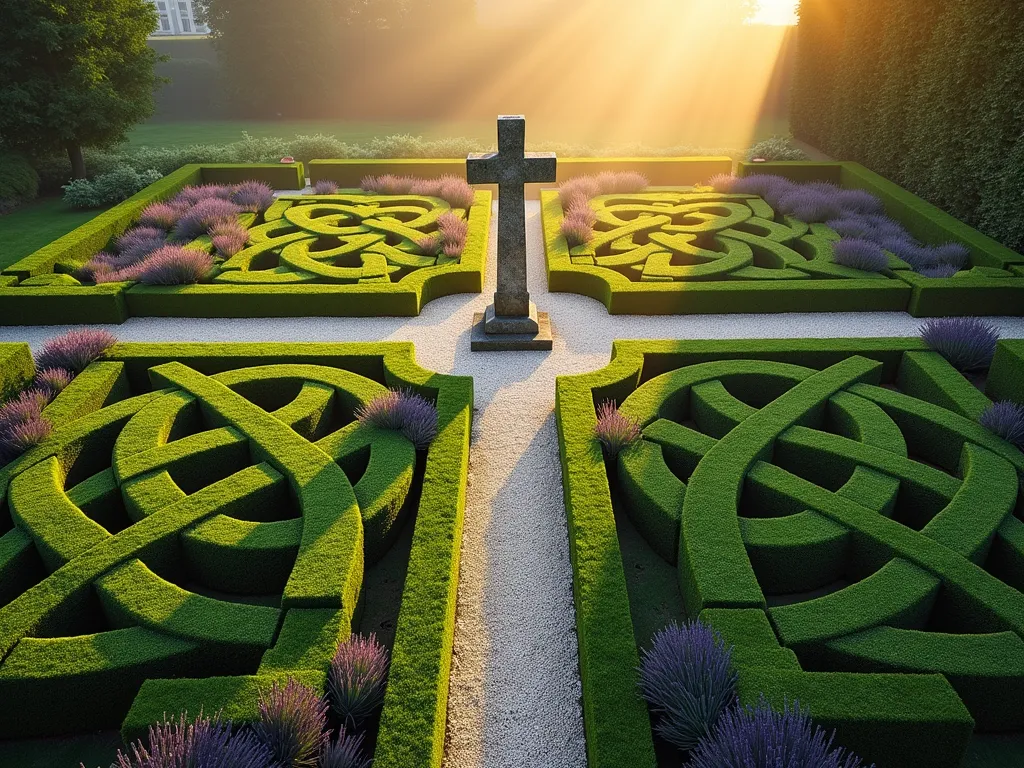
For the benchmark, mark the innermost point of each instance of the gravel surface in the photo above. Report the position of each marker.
(515, 690)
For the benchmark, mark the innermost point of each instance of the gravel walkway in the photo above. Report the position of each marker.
(515, 690)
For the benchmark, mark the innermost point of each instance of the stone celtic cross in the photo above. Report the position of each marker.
(512, 322)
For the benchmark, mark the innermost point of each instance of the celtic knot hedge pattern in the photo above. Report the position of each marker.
(345, 238)
(183, 544)
(839, 514)
(698, 235)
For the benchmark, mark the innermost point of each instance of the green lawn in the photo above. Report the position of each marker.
(169, 134)
(34, 225)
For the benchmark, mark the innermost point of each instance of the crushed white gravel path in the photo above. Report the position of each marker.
(515, 690)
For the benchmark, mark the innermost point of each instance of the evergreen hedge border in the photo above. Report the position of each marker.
(114, 303)
(921, 297)
(868, 713)
(412, 726)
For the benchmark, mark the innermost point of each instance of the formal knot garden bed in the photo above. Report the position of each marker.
(843, 519)
(780, 237)
(223, 529)
(215, 241)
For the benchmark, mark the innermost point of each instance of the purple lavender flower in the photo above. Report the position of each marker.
(403, 411)
(770, 188)
(229, 237)
(811, 203)
(74, 350)
(614, 430)
(138, 242)
(579, 189)
(356, 679)
(968, 343)
(952, 254)
(204, 743)
(898, 245)
(27, 406)
(325, 187)
(292, 724)
(163, 215)
(456, 192)
(939, 270)
(389, 184)
(253, 196)
(191, 195)
(687, 677)
(1006, 419)
(621, 182)
(425, 187)
(18, 438)
(346, 751)
(722, 182)
(202, 216)
(860, 201)
(851, 226)
(576, 227)
(430, 244)
(452, 230)
(859, 254)
(759, 737)
(174, 265)
(52, 381)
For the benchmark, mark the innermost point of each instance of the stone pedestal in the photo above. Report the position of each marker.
(510, 340)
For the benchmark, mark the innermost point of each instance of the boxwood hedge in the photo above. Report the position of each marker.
(832, 507)
(206, 519)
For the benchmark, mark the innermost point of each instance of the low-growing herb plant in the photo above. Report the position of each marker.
(688, 679)
(968, 343)
(403, 411)
(614, 430)
(357, 678)
(292, 724)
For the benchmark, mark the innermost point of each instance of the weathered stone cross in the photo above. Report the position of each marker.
(512, 322)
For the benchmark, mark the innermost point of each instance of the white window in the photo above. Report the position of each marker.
(165, 18)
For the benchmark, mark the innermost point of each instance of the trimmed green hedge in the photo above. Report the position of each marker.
(189, 534)
(923, 93)
(813, 284)
(37, 290)
(838, 514)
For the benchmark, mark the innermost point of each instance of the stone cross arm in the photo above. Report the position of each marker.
(511, 164)
(493, 168)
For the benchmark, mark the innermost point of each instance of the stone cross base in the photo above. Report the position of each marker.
(497, 333)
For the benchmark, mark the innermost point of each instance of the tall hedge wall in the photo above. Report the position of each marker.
(929, 93)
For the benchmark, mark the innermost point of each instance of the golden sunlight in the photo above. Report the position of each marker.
(776, 12)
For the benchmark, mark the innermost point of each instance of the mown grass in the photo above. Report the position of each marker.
(32, 226)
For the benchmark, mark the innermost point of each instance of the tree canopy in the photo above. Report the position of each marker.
(74, 73)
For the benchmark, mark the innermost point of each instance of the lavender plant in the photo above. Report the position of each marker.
(346, 751)
(203, 743)
(576, 227)
(292, 724)
(759, 737)
(579, 189)
(52, 381)
(198, 219)
(614, 430)
(859, 254)
(722, 182)
(356, 679)
(952, 254)
(190, 196)
(74, 350)
(939, 270)
(138, 242)
(403, 411)
(252, 196)
(968, 343)
(174, 265)
(163, 215)
(452, 230)
(456, 192)
(325, 187)
(1006, 419)
(687, 677)
(16, 439)
(229, 237)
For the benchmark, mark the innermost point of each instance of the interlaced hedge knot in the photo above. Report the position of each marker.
(183, 545)
(841, 517)
(349, 238)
